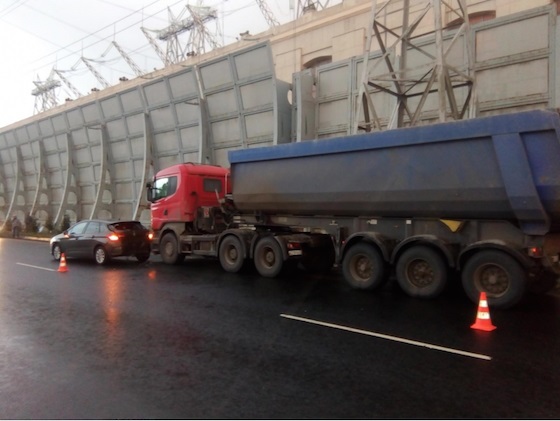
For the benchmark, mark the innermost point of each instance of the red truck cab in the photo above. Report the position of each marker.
(181, 192)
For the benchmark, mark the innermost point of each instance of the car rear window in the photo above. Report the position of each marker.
(126, 226)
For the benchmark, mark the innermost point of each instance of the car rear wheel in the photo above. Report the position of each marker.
(100, 255)
(56, 252)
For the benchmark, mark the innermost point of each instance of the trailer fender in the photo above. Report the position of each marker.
(384, 244)
(473, 248)
(430, 240)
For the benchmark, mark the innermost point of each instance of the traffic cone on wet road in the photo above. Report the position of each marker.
(62, 267)
(483, 321)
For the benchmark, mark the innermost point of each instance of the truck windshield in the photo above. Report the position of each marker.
(164, 187)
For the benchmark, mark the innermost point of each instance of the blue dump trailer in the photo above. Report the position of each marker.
(480, 197)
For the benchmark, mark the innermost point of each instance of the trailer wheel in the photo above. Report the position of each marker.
(231, 254)
(268, 257)
(421, 272)
(363, 267)
(169, 250)
(496, 273)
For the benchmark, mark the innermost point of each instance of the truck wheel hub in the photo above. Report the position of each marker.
(269, 257)
(420, 273)
(363, 267)
(494, 280)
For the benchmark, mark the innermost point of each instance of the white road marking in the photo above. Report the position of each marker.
(388, 337)
(36, 267)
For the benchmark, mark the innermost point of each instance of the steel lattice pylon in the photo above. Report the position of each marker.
(45, 93)
(412, 86)
(267, 13)
(304, 6)
(199, 36)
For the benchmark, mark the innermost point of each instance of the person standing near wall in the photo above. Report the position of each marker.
(16, 227)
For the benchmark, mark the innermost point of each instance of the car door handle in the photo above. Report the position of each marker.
(165, 212)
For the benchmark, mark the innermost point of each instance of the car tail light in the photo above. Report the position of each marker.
(150, 236)
(113, 237)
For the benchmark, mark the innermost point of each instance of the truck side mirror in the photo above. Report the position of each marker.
(149, 192)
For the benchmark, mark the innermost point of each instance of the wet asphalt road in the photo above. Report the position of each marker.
(154, 341)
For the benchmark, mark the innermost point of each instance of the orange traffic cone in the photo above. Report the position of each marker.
(62, 267)
(483, 321)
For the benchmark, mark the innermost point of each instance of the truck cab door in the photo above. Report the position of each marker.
(165, 203)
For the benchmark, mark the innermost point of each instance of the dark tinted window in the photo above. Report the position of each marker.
(212, 185)
(126, 226)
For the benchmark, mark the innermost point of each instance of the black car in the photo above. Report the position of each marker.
(103, 240)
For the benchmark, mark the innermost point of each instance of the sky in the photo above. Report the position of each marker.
(37, 36)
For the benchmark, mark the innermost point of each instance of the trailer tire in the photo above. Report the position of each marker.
(363, 267)
(169, 250)
(231, 254)
(498, 274)
(268, 257)
(421, 272)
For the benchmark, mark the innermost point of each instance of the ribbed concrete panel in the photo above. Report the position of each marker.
(246, 105)
(75, 118)
(111, 107)
(132, 102)
(514, 62)
(157, 93)
(183, 85)
(91, 113)
(94, 156)
(117, 129)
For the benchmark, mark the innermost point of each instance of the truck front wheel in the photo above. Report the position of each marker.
(231, 254)
(421, 272)
(363, 267)
(496, 273)
(169, 250)
(268, 257)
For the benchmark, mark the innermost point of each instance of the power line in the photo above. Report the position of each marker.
(99, 30)
(13, 7)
